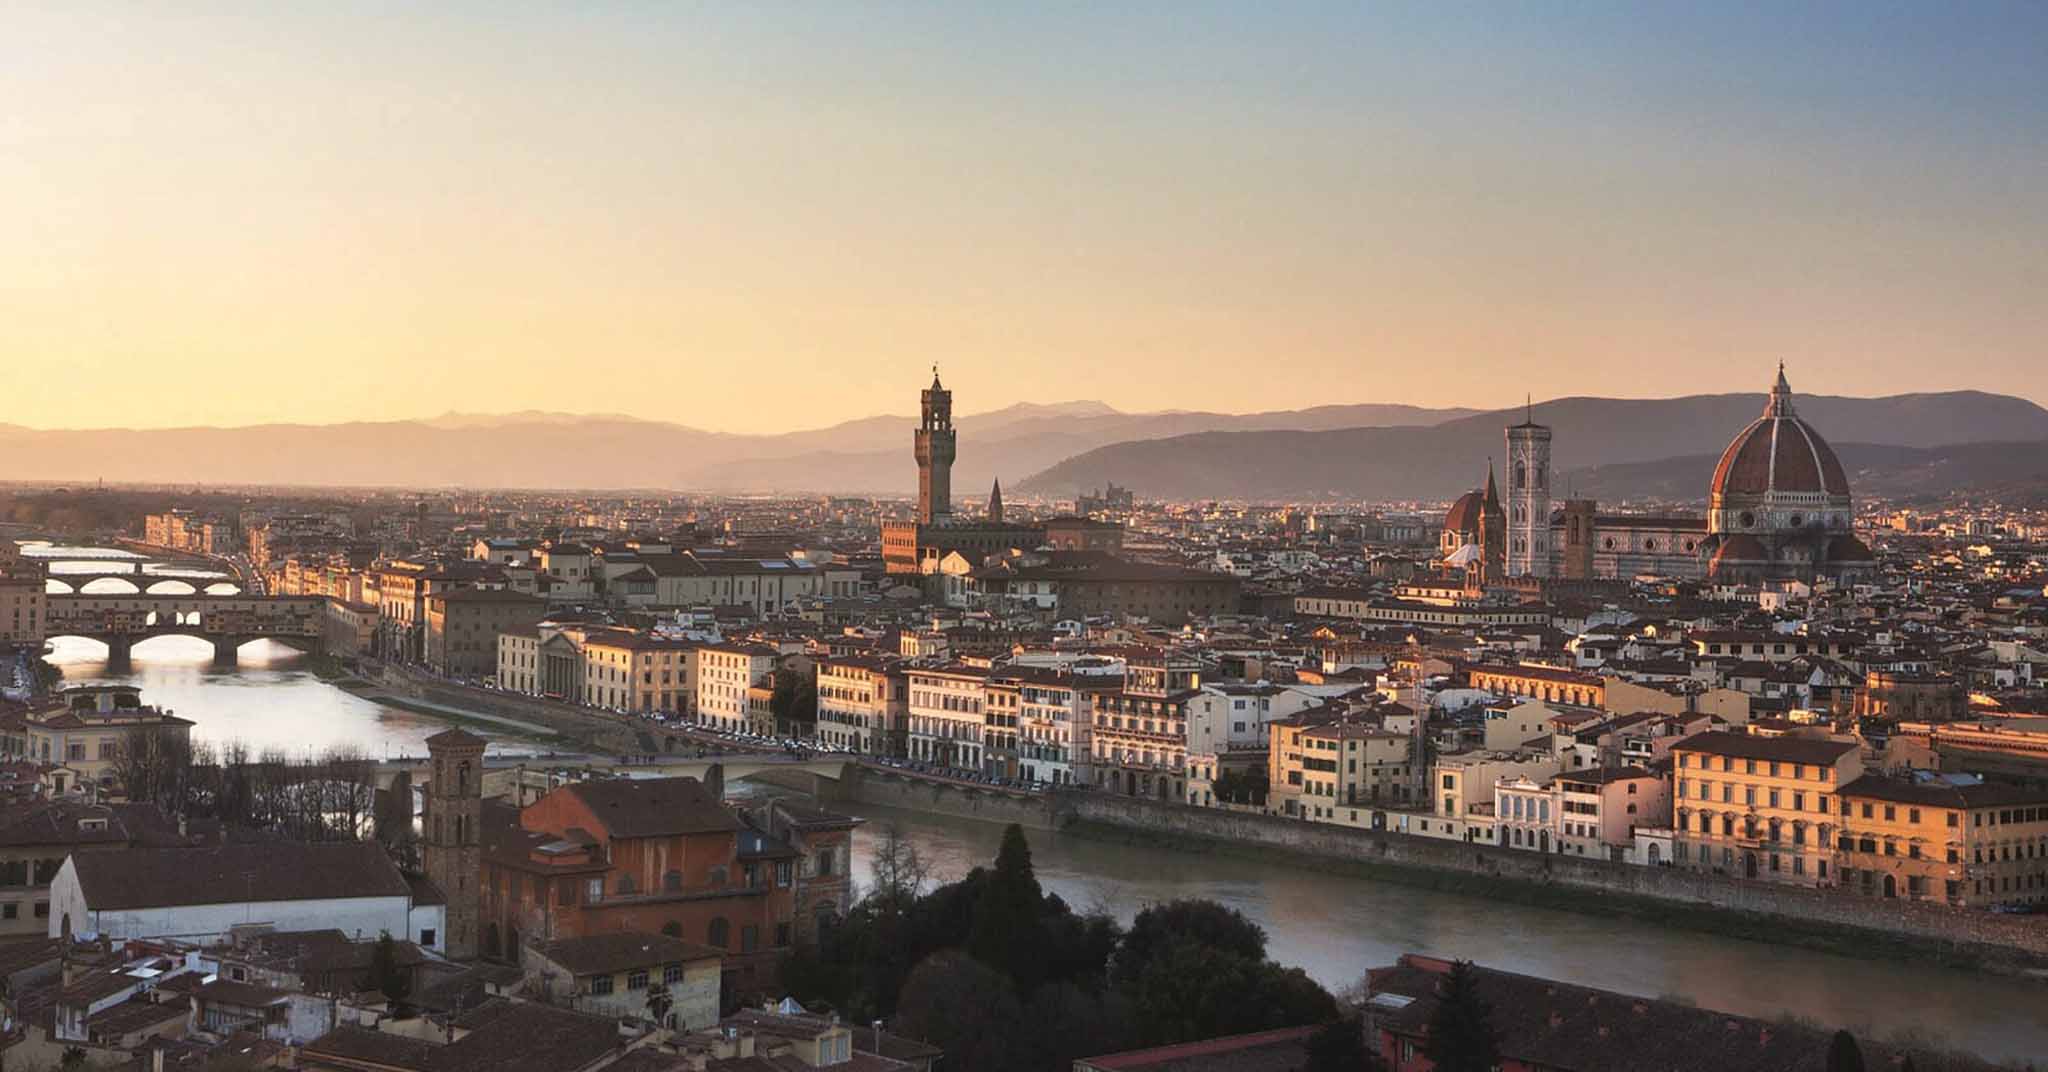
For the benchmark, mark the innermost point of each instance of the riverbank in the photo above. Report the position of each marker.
(1821, 921)
(1704, 919)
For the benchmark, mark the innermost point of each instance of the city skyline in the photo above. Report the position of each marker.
(637, 210)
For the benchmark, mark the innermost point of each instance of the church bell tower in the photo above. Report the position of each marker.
(934, 445)
(1528, 507)
(450, 843)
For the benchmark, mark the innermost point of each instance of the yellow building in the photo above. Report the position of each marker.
(1316, 765)
(83, 734)
(1972, 845)
(1760, 807)
(632, 671)
(22, 614)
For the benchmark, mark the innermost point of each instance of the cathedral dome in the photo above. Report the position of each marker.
(1778, 452)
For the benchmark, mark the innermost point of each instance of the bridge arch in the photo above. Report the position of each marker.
(171, 586)
(109, 585)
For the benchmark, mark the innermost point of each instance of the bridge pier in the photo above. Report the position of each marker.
(226, 651)
(120, 654)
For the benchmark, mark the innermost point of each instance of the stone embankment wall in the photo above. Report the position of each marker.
(2000, 934)
(888, 788)
(596, 730)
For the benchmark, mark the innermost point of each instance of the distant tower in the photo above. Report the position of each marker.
(1528, 498)
(995, 502)
(1492, 532)
(934, 444)
(450, 844)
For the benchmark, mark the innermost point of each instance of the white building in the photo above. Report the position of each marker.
(202, 895)
(724, 674)
(947, 715)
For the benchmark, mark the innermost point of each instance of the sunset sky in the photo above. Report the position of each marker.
(766, 216)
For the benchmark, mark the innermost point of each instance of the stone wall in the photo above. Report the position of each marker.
(1999, 934)
(599, 731)
(875, 785)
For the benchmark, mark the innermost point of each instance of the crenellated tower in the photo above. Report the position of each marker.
(934, 444)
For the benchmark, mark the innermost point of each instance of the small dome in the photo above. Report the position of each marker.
(1465, 514)
(1741, 547)
(1779, 452)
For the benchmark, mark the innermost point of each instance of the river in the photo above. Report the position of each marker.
(273, 700)
(1335, 927)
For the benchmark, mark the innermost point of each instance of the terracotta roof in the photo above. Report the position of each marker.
(1942, 794)
(1782, 749)
(596, 954)
(654, 807)
(230, 874)
(1548, 1024)
(1283, 1050)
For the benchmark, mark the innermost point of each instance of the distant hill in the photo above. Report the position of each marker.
(2018, 470)
(1444, 459)
(561, 450)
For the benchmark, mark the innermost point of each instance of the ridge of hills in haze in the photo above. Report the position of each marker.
(560, 450)
(1611, 448)
(1448, 458)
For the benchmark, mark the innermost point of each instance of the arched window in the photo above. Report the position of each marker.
(719, 933)
(1521, 475)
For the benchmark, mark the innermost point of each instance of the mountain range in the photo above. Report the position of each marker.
(1612, 448)
(537, 449)
(1672, 442)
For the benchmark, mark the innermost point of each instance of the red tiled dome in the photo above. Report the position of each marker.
(1741, 547)
(1779, 452)
(1465, 513)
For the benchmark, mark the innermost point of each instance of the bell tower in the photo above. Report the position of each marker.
(934, 445)
(1528, 507)
(450, 843)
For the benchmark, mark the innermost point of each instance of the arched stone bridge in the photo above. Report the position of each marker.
(141, 583)
(229, 621)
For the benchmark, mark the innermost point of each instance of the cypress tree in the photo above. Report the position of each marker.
(1843, 1053)
(1005, 934)
(1461, 1037)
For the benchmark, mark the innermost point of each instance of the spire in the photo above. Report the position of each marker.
(1780, 404)
(1492, 497)
(995, 501)
(936, 385)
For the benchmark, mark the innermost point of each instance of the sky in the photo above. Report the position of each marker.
(770, 216)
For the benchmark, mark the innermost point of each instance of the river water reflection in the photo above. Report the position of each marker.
(272, 700)
(1336, 927)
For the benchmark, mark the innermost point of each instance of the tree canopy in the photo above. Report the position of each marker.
(964, 964)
